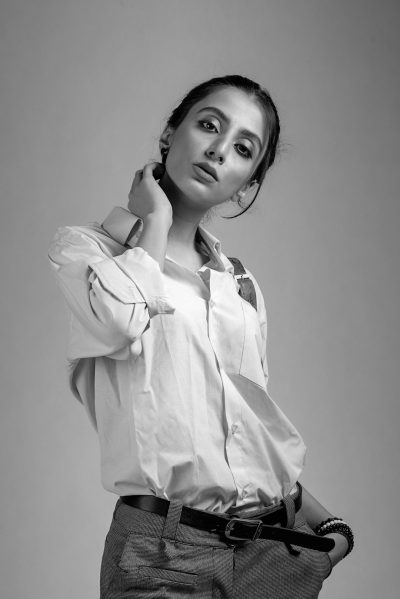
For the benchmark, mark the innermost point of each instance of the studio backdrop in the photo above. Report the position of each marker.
(85, 88)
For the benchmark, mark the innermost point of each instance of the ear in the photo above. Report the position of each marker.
(166, 139)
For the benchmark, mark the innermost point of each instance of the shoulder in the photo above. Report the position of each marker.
(74, 242)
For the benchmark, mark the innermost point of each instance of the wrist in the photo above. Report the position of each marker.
(340, 530)
(160, 218)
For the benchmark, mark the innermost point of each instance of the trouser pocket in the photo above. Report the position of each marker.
(319, 559)
(156, 567)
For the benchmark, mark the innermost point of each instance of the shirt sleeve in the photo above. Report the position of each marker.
(112, 298)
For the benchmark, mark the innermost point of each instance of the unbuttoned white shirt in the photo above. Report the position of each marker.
(171, 367)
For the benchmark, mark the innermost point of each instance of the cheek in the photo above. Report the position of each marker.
(185, 139)
(239, 174)
(186, 149)
(180, 151)
(175, 160)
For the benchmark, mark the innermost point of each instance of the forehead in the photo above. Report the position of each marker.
(242, 110)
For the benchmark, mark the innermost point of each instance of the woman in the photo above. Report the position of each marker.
(168, 355)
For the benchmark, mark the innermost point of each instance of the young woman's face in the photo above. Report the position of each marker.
(216, 148)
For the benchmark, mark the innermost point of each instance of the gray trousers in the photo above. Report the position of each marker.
(149, 556)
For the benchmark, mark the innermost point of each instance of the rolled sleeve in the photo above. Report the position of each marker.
(134, 277)
(112, 293)
(121, 224)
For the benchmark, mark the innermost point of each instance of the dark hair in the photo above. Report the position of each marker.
(254, 90)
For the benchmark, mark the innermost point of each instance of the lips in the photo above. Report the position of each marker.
(207, 168)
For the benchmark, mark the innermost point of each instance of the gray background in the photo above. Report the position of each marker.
(85, 88)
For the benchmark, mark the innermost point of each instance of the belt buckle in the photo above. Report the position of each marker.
(229, 528)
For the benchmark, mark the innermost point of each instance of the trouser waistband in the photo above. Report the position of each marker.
(233, 528)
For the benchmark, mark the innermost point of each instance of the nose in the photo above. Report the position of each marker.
(216, 154)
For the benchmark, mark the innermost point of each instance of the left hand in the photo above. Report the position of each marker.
(339, 551)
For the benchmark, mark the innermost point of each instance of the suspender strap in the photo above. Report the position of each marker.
(246, 286)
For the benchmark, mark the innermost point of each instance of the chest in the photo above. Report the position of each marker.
(211, 324)
(190, 261)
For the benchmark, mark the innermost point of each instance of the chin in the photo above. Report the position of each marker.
(190, 188)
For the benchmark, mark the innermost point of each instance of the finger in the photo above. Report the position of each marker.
(154, 170)
(137, 179)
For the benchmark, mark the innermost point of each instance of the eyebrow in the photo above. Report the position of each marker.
(225, 118)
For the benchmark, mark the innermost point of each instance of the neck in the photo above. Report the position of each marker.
(186, 219)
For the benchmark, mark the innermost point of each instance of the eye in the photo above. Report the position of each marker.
(208, 125)
(243, 151)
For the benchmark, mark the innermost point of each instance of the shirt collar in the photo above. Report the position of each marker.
(124, 227)
(213, 248)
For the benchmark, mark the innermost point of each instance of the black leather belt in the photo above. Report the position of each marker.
(234, 528)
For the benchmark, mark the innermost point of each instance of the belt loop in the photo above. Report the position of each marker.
(290, 510)
(290, 514)
(172, 520)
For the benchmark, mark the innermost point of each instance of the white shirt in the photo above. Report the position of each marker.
(171, 367)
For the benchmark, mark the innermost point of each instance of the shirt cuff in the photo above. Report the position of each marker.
(121, 225)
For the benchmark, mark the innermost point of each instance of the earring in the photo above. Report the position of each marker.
(237, 197)
(164, 153)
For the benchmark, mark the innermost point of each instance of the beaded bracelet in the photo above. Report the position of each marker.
(336, 525)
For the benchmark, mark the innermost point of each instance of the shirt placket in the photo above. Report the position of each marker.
(228, 361)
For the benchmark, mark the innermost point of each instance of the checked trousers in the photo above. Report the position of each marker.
(149, 556)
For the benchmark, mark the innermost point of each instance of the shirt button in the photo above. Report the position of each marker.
(212, 303)
(234, 428)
